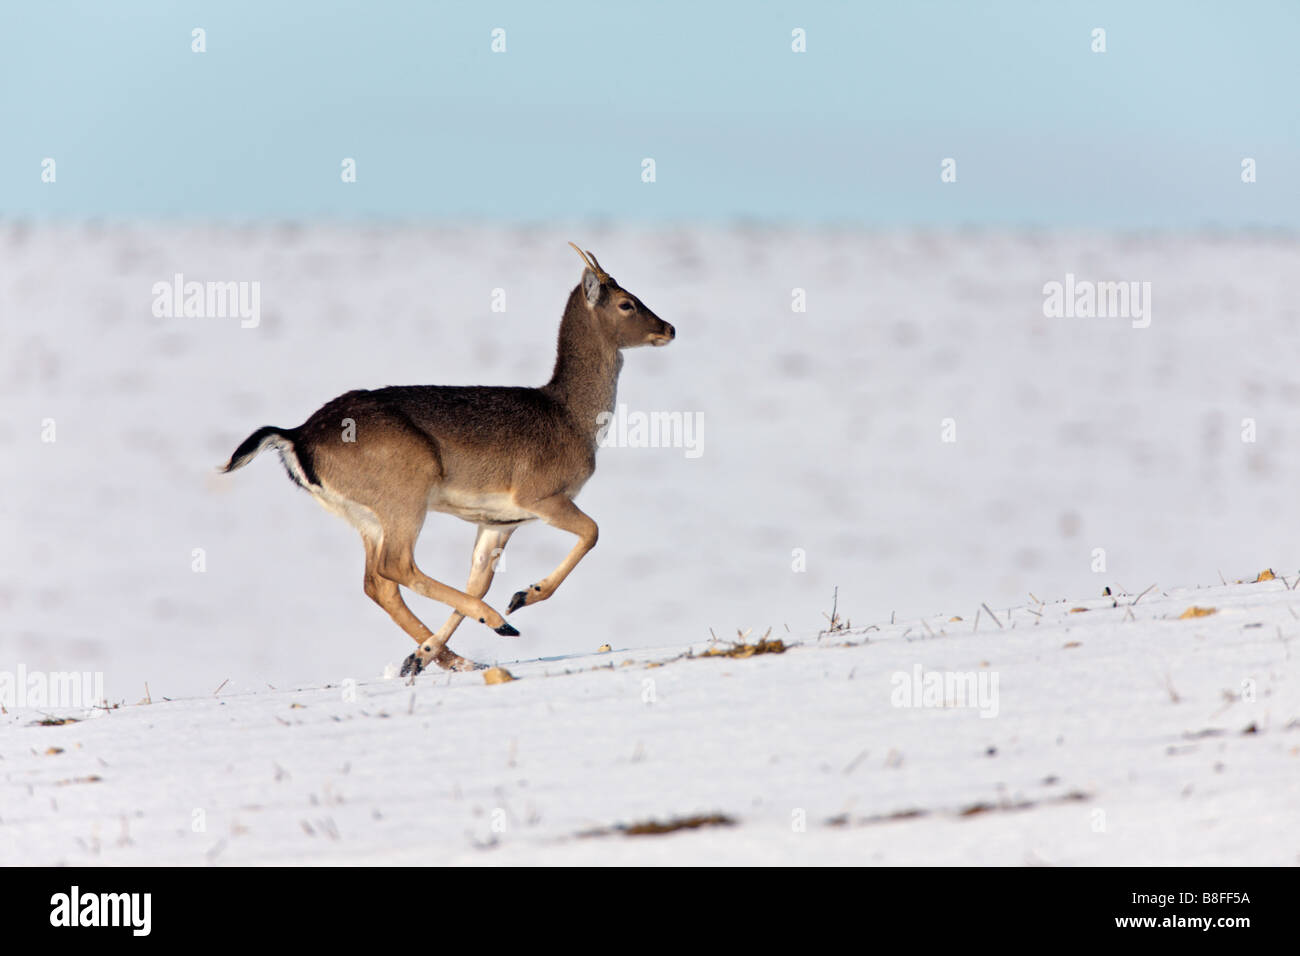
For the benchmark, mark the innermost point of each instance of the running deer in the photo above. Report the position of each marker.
(498, 457)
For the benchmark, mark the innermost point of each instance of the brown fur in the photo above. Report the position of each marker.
(494, 456)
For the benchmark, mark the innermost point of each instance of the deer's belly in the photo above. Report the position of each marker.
(479, 507)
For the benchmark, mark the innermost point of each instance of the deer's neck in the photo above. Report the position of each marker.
(585, 380)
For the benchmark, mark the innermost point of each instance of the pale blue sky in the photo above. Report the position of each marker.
(1150, 134)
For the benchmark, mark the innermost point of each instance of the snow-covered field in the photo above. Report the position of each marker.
(1123, 734)
(1088, 452)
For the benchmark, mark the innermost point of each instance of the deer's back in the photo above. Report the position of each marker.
(470, 440)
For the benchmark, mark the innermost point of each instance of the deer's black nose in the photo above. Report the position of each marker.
(670, 331)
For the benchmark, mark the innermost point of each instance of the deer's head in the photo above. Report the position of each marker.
(620, 315)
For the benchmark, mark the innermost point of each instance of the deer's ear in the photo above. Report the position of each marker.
(591, 288)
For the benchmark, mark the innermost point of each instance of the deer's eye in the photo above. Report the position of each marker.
(625, 306)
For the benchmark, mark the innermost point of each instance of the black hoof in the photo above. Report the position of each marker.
(505, 630)
(518, 601)
(412, 665)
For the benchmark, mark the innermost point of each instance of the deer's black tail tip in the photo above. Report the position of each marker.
(254, 443)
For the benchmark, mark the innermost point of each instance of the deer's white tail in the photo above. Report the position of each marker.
(284, 440)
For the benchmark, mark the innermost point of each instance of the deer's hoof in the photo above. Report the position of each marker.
(518, 601)
(451, 661)
(505, 630)
(411, 666)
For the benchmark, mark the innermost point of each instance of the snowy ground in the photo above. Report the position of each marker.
(1087, 453)
(1123, 734)
(821, 445)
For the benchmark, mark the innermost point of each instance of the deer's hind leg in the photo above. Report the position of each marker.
(382, 487)
(396, 562)
(488, 546)
(388, 595)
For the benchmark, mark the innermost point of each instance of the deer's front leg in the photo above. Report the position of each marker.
(559, 512)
